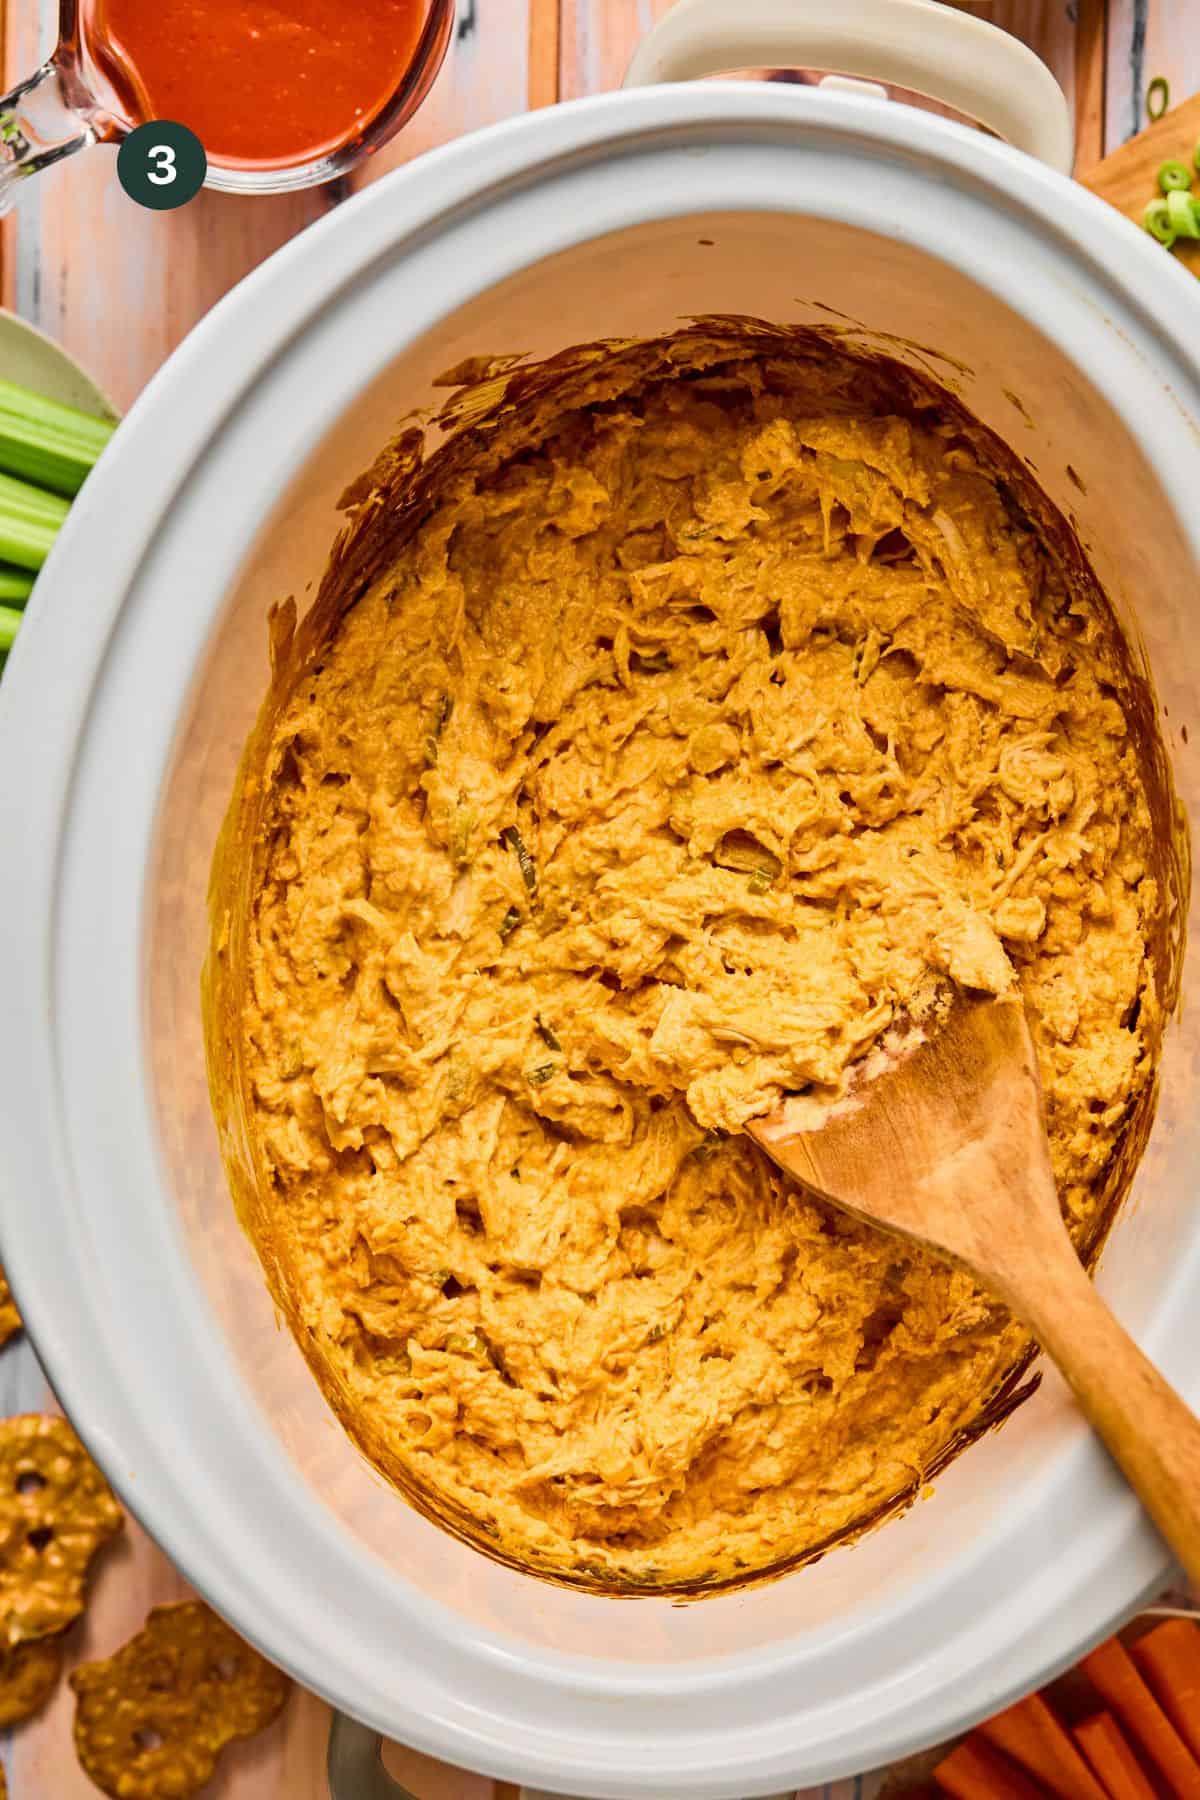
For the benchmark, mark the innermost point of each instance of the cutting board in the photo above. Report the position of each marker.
(287, 1762)
(1128, 178)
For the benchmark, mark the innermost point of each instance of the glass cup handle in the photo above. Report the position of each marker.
(355, 1766)
(954, 57)
(39, 125)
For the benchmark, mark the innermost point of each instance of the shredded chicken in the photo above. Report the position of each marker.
(653, 782)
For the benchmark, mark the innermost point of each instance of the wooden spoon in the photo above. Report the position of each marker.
(946, 1144)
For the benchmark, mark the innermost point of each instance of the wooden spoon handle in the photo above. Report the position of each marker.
(1152, 1434)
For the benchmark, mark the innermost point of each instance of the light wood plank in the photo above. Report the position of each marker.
(545, 33)
(1148, 38)
(1091, 76)
(598, 39)
(1126, 78)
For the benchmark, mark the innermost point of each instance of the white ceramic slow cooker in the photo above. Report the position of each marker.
(122, 713)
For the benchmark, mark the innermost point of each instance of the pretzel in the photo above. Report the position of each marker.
(151, 1720)
(56, 1510)
(10, 1318)
(28, 1676)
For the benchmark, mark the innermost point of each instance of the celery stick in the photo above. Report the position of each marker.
(28, 404)
(47, 443)
(29, 522)
(9, 621)
(16, 585)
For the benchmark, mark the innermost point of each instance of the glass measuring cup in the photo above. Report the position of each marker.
(92, 91)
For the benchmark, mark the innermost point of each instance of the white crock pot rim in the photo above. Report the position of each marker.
(211, 372)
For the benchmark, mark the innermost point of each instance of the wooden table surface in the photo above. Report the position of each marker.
(120, 286)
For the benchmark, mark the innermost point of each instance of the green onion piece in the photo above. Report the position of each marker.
(1174, 175)
(1157, 221)
(539, 1077)
(547, 1036)
(1158, 97)
(16, 585)
(44, 442)
(1182, 216)
(516, 843)
(445, 707)
(509, 923)
(10, 621)
(656, 663)
(29, 522)
(708, 1146)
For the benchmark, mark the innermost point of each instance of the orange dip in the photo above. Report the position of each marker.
(259, 83)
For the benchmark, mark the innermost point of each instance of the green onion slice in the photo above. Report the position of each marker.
(1158, 97)
(646, 663)
(516, 843)
(1157, 221)
(509, 923)
(1174, 175)
(1182, 215)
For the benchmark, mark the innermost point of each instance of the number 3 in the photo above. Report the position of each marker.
(167, 172)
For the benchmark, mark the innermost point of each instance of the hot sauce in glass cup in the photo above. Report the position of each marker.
(283, 94)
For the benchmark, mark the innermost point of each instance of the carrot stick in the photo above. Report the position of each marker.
(1107, 1749)
(1112, 1673)
(976, 1772)
(1169, 1658)
(1033, 1737)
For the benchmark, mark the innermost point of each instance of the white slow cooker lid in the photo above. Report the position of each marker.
(88, 715)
